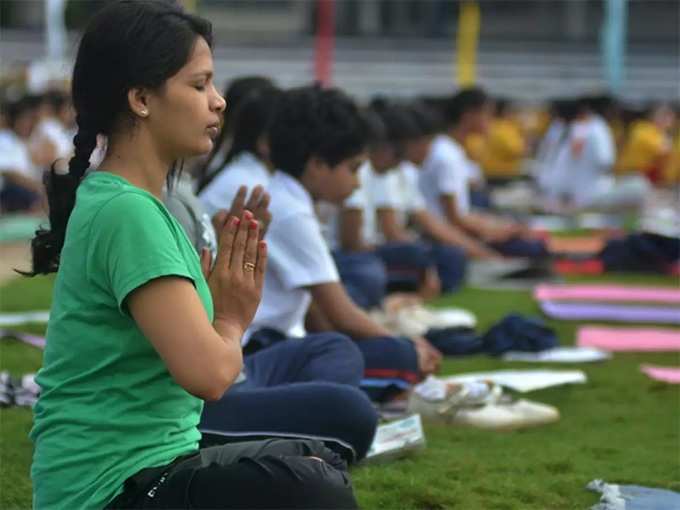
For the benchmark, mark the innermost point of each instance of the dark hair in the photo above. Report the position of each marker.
(56, 99)
(502, 106)
(423, 117)
(376, 132)
(604, 105)
(466, 100)
(250, 122)
(15, 109)
(315, 122)
(399, 123)
(567, 109)
(234, 94)
(127, 44)
(238, 90)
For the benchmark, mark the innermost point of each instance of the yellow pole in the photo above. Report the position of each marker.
(466, 43)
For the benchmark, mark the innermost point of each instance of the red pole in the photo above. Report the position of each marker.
(325, 41)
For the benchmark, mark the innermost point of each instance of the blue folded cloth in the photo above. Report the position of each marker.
(519, 333)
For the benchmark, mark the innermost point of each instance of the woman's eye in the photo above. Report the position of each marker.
(199, 87)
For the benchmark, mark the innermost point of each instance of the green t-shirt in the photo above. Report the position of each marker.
(109, 407)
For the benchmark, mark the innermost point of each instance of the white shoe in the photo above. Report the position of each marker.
(479, 404)
(416, 320)
(507, 416)
(434, 398)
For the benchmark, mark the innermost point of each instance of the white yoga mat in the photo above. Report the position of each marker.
(560, 355)
(525, 381)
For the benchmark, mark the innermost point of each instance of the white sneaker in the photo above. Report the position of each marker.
(434, 398)
(415, 320)
(479, 404)
(507, 416)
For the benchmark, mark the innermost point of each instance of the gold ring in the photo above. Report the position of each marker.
(249, 266)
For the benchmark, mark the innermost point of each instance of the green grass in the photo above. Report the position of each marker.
(620, 426)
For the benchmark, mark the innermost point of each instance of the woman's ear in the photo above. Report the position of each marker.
(138, 100)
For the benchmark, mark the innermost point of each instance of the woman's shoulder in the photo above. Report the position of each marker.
(102, 203)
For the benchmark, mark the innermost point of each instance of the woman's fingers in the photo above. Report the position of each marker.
(250, 254)
(206, 262)
(263, 215)
(254, 199)
(238, 203)
(239, 245)
(225, 241)
(219, 219)
(261, 265)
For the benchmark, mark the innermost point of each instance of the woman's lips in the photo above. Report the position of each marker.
(213, 131)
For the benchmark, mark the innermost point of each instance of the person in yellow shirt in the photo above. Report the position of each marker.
(647, 145)
(501, 151)
(671, 172)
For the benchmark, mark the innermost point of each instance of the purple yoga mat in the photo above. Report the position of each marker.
(618, 313)
(34, 340)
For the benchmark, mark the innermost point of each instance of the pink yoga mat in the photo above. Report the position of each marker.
(608, 293)
(629, 339)
(665, 374)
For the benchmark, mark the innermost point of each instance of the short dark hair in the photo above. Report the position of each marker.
(315, 122)
(15, 109)
(399, 123)
(426, 120)
(466, 100)
(56, 99)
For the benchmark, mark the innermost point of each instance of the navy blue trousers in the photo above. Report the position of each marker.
(406, 262)
(294, 388)
(364, 277)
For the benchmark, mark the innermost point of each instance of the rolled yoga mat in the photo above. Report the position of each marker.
(606, 293)
(614, 339)
(611, 312)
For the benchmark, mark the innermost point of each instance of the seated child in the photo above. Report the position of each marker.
(445, 180)
(317, 140)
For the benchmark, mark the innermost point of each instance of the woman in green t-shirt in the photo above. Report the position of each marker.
(141, 331)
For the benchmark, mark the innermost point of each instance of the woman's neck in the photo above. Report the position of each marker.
(138, 161)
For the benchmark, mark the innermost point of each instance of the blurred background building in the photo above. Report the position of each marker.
(530, 50)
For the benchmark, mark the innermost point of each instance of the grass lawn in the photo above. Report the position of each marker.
(620, 426)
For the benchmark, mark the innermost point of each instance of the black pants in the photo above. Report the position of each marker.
(269, 474)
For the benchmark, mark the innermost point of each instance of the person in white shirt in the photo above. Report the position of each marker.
(584, 165)
(235, 93)
(409, 264)
(247, 161)
(317, 140)
(445, 184)
(22, 188)
(55, 126)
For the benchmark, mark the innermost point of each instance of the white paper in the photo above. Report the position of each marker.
(524, 381)
(560, 355)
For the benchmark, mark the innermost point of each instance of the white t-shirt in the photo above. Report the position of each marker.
(546, 156)
(376, 191)
(54, 131)
(584, 160)
(408, 197)
(446, 171)
(298, 258)
(244, 170)
(14, 155)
